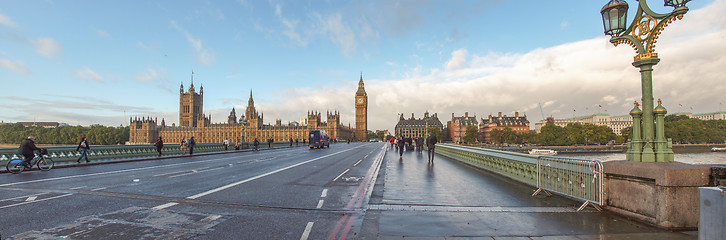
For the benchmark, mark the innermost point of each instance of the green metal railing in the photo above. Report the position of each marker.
(575, 178)
(97, 152)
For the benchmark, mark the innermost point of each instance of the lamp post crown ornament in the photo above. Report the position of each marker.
(643, 32)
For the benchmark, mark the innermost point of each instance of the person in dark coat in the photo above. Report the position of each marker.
(159, 144)
(431, 144)
(401, 145)
(191, 143)
(26, 149)
(256, 143)
(84, 147)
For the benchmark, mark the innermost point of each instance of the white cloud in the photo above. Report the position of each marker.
(569, 79)
(564, 25)
(290, 27)
(204, 56)
(337, 31)
(88, 74)
(103, 34)
(47, 47)
(458, 59)
(16, 66)
(148, 76)
(5, 20)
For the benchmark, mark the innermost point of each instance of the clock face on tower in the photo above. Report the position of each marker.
(360, 100)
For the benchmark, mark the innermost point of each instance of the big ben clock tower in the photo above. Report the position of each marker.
(361, 112)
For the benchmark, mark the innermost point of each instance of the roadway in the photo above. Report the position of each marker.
(357, 190)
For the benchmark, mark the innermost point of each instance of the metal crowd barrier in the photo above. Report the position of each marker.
(579, 179)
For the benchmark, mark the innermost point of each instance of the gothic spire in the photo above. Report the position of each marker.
(251, 102)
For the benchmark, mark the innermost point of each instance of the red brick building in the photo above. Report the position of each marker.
(457, 126)
(519, 124)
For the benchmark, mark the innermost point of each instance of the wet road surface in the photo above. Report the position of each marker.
(350, 191)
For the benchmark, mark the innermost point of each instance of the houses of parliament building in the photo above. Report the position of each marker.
(193, 123)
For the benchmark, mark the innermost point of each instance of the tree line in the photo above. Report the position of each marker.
(680, 129)
(96, 135)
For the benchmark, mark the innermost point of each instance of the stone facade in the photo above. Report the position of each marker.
(194, 123)
(361, 112)
(415, 128)
(519, 124)
(457, 126)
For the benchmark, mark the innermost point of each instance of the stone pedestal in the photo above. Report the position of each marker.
(661, 194)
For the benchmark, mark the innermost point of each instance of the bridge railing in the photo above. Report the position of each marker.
(97, 152)
(575, 178)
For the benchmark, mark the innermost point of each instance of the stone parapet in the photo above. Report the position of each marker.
(662, 194)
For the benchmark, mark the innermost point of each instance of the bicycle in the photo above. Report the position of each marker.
(44, 162)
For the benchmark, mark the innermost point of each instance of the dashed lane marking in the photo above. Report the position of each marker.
(193, 172)
(177, 172)
(23, 203)
(358, 162)
(340, 175)
(306, 233)
(325, 193)
(320, 203)
(165, 205)
(254, 178)
(31, 198)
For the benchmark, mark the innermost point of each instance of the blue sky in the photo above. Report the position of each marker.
(87, 62)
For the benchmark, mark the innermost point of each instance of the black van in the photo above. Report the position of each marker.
(318, 139)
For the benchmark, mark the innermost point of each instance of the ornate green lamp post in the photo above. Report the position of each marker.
(642, 34)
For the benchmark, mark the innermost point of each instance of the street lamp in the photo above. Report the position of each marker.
(642, 35)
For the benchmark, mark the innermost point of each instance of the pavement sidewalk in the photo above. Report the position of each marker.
(414, 199)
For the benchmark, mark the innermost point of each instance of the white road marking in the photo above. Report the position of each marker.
(261, 175)
(137, 180)
(23, 203)
(325, 193)
(356, 164)
(320, 203)
(76, 188)
(252, 178)
(193, 172)
(20, 197)
(111, 172)
(210, 218)
(31, 198)
(171, 173)
(165, 205)
(340, 175)
(306, 233)
(99, 189)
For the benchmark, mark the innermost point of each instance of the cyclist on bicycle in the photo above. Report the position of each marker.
(26, 149)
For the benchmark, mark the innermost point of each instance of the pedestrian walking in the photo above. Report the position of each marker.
(290, 142)
(159, 144)
(191, 143)
(236, 145)
(401, 145)
(83, 147)
(297, 142)
(269, 142)
(419, 144)
(393, 142)
(226, 144)
(256, 143)
(183, 145)
(431, 144)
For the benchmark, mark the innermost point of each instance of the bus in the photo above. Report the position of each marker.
(318, 139)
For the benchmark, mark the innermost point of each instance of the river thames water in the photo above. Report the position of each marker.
(690, 158)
